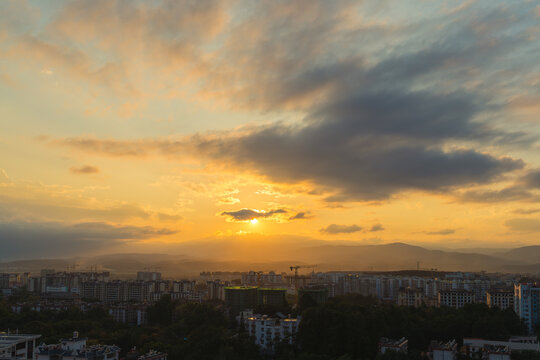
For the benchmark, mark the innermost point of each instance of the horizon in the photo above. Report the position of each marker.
(129, 127)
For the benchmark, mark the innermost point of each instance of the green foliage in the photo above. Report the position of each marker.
(352, 325)
(345, 328)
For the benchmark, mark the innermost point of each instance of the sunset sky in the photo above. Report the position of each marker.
(131, 126)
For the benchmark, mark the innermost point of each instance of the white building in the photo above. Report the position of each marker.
(19, 346)
(400, 345)
(269, 331)
(527, 304)
(444, 351)
(76, 349)
(514, 344)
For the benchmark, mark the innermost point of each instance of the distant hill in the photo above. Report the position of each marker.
(279, 253)
(524, 254)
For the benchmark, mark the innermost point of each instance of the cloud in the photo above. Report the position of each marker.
(521, 190)
(229, 200)
(377, 120)
(532, 179)
(526, 211)
(301, 216)
(54, 239)
(85, 169)
(340, 229)
(441, 232)
(4, 178)
(376, 227)
(245, 214)
(523, 225)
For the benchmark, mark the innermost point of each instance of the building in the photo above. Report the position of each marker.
(240, 298)
(492, 352)
(503, 299)
(271, 297)
(75, 348)
(386, 344)
(455, 298)
(527, 304)
(443, 351)
(269, 331)
(317, 294)
(133, 314)
(499, 348)
(151, 355)
(259, 278)
(148, 276)
(411, 297)
(18, 346)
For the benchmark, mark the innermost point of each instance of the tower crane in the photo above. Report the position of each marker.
(295, 268)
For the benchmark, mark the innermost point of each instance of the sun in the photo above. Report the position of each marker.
(253, 221)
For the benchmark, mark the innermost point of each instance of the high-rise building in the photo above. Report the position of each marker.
(240, 298)
(527, 303)
(272, 297)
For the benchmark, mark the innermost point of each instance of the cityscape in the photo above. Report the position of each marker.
(267, 307)
(269, 180)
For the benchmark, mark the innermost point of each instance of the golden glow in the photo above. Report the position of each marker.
(254, 221)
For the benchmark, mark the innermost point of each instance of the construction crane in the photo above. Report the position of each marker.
(295, 268)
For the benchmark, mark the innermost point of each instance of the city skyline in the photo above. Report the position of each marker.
(136, 127)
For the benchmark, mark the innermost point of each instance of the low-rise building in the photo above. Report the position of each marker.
(386, 344)
(75, 348)
(17, 346)
(443, 350)
(473, 346)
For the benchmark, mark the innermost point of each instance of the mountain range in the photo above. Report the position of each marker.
(279, 253)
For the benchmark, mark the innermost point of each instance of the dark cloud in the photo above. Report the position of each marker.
(376, 227)
(301, 216)
(339, 229)
(52, 239)
(374, 126)
(532, 179)
(250, 214)
(355, 164)
(512, 193)
(86, 169)
(523, 225)
(441, 232)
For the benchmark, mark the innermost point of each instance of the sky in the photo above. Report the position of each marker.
(131, 126)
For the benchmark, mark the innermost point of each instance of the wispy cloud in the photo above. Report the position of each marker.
(523, 225)
(376, 227)
(85, 169)
(303, 215)
(441, 232)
